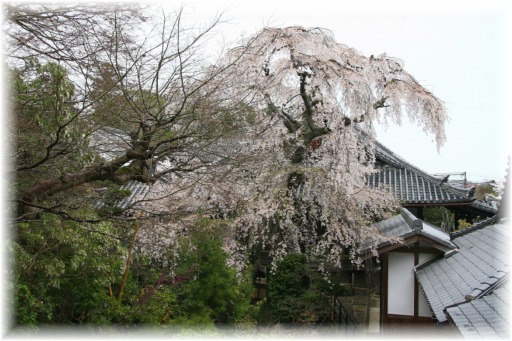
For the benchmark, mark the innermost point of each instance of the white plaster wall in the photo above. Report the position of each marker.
(400, 283)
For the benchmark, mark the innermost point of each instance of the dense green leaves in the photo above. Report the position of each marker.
(48, 131)
(296, 293)
(210, 290)
(59, 267)
(70, 273)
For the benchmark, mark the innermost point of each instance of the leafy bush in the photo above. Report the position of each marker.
(66, 274)
(58, 267)
(296, 294)
(213, 291)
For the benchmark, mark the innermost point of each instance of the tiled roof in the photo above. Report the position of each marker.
(410, 184)
(484, 206)
(137, 191)
(405, 225)
(485, 317)
(480, 264)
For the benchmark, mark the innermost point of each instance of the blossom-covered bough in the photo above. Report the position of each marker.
(318, 101)
(288, 172)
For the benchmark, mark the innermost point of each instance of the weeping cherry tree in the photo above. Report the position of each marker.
(318, 101)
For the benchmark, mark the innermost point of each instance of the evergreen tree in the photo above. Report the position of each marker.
(210, 291)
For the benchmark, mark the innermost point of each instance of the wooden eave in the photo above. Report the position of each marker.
(408, 242)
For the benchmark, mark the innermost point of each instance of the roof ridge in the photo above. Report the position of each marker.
(414, 223)
(484, 206)
(406, 164)
(396, 159)
(403, 161)
(474, 227)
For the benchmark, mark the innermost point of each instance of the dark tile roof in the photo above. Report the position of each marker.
(409, 184)
(486, 317)
(480, 264)
(403, 226)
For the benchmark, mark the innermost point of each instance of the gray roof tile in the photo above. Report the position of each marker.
(410, 184)
(482, 317)
(480, 263)
(405, 225)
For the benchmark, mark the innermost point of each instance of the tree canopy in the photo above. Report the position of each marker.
(320, 101)
(139, 102)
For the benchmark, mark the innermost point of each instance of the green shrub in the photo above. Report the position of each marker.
(296, 294)
(212, 288)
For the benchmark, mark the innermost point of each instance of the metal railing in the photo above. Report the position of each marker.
(342, 319)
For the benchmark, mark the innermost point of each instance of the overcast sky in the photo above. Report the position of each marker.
(460, 50)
